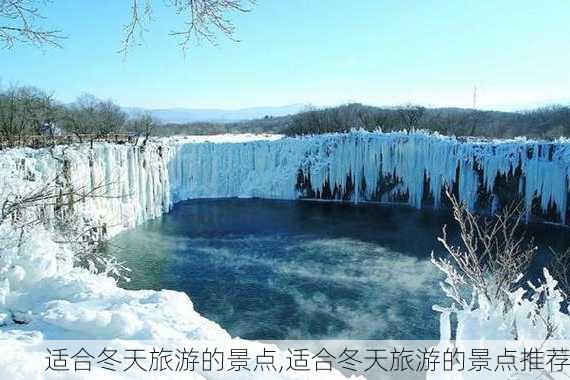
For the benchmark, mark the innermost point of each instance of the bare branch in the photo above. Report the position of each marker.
(49, 194)
(19, 24)
(204, 20)
(492, 256)
(142, 126)
(136, 26)
(560, 268)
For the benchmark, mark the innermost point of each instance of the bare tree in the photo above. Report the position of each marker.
(19, 23)
(80, 118)
(375, 119)
(22, 111)
(73, 122)
(411, 115)
(457, 122)
(490, 263)
(92, 118)
(203, 20)
(111, 119)
(142, 126)
(12, 122)
(444, 122)
(52, 203)
(474, 121)
(552, 121)
(306, 121)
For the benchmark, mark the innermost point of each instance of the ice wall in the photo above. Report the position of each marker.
(126, 185)
(137, 184)
(264, 169)
(374, 166)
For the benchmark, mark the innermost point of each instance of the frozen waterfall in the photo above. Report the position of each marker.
(412, 168)
(362, 166)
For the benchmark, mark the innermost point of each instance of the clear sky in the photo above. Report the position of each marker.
(381, 52)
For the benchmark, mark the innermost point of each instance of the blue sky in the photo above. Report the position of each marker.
(517, 53)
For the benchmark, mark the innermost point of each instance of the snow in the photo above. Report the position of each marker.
(45, 295)
(519, 327)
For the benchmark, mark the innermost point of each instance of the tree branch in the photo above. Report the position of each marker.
(20, 25)
(204, 20)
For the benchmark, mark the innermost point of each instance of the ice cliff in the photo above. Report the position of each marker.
(405, 167)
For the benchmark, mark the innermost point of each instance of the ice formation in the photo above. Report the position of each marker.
(44, 295)
(407, 165)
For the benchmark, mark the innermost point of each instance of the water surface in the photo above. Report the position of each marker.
(299, 270)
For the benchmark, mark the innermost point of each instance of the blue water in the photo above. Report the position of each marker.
(297, 270)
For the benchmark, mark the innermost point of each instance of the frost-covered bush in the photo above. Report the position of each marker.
(484, 281)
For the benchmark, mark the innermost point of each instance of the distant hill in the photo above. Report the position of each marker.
(191, 115)
(544, 123)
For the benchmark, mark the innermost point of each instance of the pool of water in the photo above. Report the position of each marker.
(299, 270)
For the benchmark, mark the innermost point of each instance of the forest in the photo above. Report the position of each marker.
(27, 112)
(549, 122)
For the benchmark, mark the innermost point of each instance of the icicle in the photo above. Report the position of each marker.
(141, 184)
(268, 168)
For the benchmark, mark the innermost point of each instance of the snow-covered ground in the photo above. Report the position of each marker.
(44, 294)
